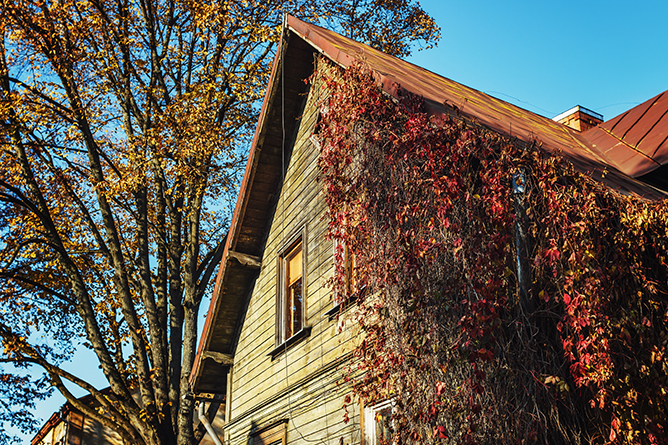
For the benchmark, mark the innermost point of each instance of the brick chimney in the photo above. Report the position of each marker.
(579, 118)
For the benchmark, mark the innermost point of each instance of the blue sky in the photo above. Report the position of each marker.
(549, 56)
(543, 56)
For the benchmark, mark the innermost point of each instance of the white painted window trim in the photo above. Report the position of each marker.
(370, 420)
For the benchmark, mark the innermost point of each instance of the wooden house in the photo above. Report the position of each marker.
(69, 426)
(271, 347)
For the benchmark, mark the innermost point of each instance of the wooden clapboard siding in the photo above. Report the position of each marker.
(303, 383)
(314, 411)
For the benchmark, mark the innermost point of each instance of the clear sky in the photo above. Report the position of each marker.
(544, 56)
(548, 56)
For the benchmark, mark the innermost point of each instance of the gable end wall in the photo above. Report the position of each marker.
(300, 384)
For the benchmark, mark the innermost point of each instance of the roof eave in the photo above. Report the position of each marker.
(242, 200)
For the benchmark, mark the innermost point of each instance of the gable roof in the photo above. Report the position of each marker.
(284, 95)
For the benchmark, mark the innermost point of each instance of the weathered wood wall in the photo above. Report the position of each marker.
(302, 384)
(94, 433)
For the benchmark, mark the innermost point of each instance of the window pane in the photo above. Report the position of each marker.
(293, 299)
(378, 423)
(294, 264)
(351, 273)
(296, 306)
(382, 430)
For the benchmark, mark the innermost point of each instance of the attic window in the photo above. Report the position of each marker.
(292, 289)
(315, 134)
(291, 294)
(350, 276)
(353, 287)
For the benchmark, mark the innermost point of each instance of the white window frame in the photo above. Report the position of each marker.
(298, 238)
(370, 419)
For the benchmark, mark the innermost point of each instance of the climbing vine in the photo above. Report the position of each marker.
(507, 298)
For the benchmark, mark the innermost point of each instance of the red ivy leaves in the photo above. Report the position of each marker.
(426, 205)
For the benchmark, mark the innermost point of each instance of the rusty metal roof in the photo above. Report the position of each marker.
(636, 141)
(647, 129)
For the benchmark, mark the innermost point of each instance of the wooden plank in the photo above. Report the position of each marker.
(219, 357)
(251, 261)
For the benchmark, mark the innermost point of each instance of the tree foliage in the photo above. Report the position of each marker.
(124, 125)
(508, 298)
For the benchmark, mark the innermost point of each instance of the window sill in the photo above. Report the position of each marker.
(299, 336)
(340, 308)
